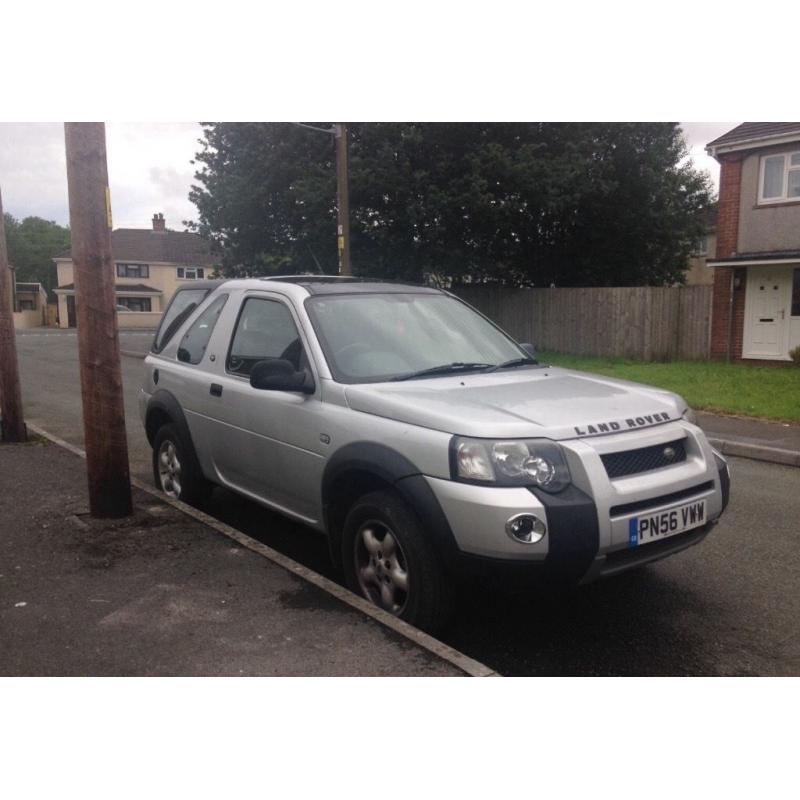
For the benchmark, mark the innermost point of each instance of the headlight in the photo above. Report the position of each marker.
(690, 416)
(519, 462)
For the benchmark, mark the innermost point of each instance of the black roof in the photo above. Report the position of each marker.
(208, 284)
(334, 284)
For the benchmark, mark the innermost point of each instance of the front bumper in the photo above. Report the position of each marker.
(587, 523)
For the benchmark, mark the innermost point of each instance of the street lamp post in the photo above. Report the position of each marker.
(339, 131)
(342, 199)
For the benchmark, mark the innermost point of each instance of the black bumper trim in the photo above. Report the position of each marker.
(572, 529)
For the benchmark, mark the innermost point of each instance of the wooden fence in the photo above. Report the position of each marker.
(648, 323)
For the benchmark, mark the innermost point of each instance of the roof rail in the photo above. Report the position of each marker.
(312, 277)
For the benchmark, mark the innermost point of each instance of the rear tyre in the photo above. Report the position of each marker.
(389, 559)
(175, 470)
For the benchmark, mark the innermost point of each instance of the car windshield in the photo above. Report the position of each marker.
(379, 337)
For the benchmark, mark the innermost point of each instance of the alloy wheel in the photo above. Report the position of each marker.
(381, 567)
(169, 469)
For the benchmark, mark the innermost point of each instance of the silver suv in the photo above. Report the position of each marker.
(419, 437)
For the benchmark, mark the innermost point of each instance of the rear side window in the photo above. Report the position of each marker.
(265, 330)
(182, 305)
(195, 341)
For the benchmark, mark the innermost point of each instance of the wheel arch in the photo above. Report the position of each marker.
(163, 408)
(363, 467)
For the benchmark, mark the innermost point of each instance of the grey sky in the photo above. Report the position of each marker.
(149, 168)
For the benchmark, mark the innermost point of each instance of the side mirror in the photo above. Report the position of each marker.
(528, 348)
(279, 375)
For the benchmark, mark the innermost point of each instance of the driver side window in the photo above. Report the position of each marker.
(265, 330)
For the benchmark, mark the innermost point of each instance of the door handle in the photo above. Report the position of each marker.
(216, 389)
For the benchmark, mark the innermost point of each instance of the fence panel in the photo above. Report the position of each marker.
(651, 323)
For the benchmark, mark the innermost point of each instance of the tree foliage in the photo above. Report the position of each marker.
(32, 245)
(569, 204)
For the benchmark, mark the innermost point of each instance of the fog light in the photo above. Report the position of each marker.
(526, 529)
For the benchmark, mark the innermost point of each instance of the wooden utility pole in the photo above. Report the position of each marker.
(342, 198)
(98, 337)
(12, 424)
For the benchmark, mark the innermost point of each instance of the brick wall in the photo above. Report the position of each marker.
(730, 180)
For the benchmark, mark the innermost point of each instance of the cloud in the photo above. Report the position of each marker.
(698, 135)
(148, 166)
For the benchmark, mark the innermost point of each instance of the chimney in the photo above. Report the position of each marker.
(159, 223)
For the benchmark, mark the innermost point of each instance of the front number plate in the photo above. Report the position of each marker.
(650, 527)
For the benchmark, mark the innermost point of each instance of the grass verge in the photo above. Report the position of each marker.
(766, 392)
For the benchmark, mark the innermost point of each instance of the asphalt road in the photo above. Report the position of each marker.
(730, 606)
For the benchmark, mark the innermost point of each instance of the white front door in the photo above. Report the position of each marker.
(769, 292)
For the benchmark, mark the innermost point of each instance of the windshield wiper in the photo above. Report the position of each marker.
(514, 362)
(443, 369)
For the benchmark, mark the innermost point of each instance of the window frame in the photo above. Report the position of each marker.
(122, 301)
(701, 247)
(298, 328)
(199, 273)
(143, 270)
(787, 168)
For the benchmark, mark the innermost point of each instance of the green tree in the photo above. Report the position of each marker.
(32, 245)
(568, 204)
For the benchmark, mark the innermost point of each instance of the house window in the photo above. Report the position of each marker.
(780, 178)
(701, 246)
(27, 305)
(134, 303)
(190, 273)
(796, 294)
(133, 271)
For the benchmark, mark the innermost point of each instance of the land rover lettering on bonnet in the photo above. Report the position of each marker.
(618, 425)
(421, 439)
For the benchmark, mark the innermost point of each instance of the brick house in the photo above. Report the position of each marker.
(150, 264)
(756, 300)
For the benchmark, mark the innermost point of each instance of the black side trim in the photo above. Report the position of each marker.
(418, 494)
(651, 502)
(379, 462)
(725, 484)
(378, 459)
(572, 530)
(163, 404)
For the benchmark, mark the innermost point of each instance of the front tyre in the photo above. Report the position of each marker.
(389, 560)
(175, 472)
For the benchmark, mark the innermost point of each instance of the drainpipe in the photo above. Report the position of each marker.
(730, 316)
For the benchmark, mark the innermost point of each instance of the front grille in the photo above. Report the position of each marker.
(661, 500)
(631, 462)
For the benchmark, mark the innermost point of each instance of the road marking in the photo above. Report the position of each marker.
(427, 642)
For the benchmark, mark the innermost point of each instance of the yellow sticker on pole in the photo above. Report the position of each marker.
(108, 208)
(341, 243)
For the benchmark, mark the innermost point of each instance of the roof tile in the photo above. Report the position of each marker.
(756, 130)
(148, 246)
